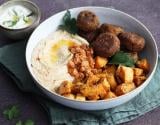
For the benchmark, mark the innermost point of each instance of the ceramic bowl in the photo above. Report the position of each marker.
(21, 33)
(108, 15)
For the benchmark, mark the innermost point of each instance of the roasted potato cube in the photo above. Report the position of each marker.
(93, 92)
(124, 88)
(90, 92)
(110, 95)
(138, 80)
(112, 81)
(65, 88)
(110, 69)
(100, 62)
(80, 97)
(143, 64)
(105, 84)
(92, 79)
(101, 75)
(70, 96)
(103, 88)
(138, 71)
(124, 74)
(76, 87)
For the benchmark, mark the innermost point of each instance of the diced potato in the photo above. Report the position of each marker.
(105, 84)
(89, 92)
(93, 92)
(92, 79)
(70, 96)
(80, 97)
(143, 64)
(112, 81)
(124, 88)
(101, 75)
(100, 62)
(110, 95)
(138, 80)
(110, 69)
(65, 88)
(138, 71)
(124, 74)
(103, 88)
(76, 87)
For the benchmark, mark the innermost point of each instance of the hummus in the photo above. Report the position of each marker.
(50, 58)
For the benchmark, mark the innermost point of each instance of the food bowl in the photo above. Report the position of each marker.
(109, 15)
(20, 33)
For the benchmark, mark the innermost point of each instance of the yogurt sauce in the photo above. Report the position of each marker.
(16, 17)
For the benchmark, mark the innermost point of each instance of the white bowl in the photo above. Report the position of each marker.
(105, 15)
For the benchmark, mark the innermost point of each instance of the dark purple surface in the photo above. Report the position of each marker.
(147, 11)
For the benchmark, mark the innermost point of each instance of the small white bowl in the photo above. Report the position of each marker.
(20, 33)
(105, 15)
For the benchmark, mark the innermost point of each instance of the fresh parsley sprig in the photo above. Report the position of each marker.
(27, 122)
(11, 112)
(68, 23)
(122, 58)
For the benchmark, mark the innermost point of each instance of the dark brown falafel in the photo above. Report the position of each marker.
(87, 21)
(106, 45)
(89, 36)
(132, 41)
(111, 29)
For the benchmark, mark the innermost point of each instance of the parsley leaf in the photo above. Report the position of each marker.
(19, 123)
(9, 23)
(11, 112)
(68, 23)
(29, 122)
(122, 58)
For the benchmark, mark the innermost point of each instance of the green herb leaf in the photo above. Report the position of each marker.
(16, 18)
(29, 122)
(68, 23)
(9, 23)
(19, 123)
(30, 14)
(122, 58)
(26, 19)
(15, 13)
(11, 112)
(67, 17)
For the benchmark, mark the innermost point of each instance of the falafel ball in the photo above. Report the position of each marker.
(87, 21)
(106, 45)
(132, 41)
(89, 36)
(111, 28)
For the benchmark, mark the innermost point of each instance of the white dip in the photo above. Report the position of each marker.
(50, 58)
(16, 17)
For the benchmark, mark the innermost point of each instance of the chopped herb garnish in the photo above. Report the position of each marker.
(19, 122)
(15, 13)
(27, 122)
(68, 23)
(11, 112)
(15, 19)
(26, 19)
(30, 14)
(9, 23)
(122, 58)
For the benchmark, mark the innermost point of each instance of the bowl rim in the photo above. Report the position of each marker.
(97, 101)
(29, 2)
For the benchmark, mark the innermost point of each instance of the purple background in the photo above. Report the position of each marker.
(147, 11)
